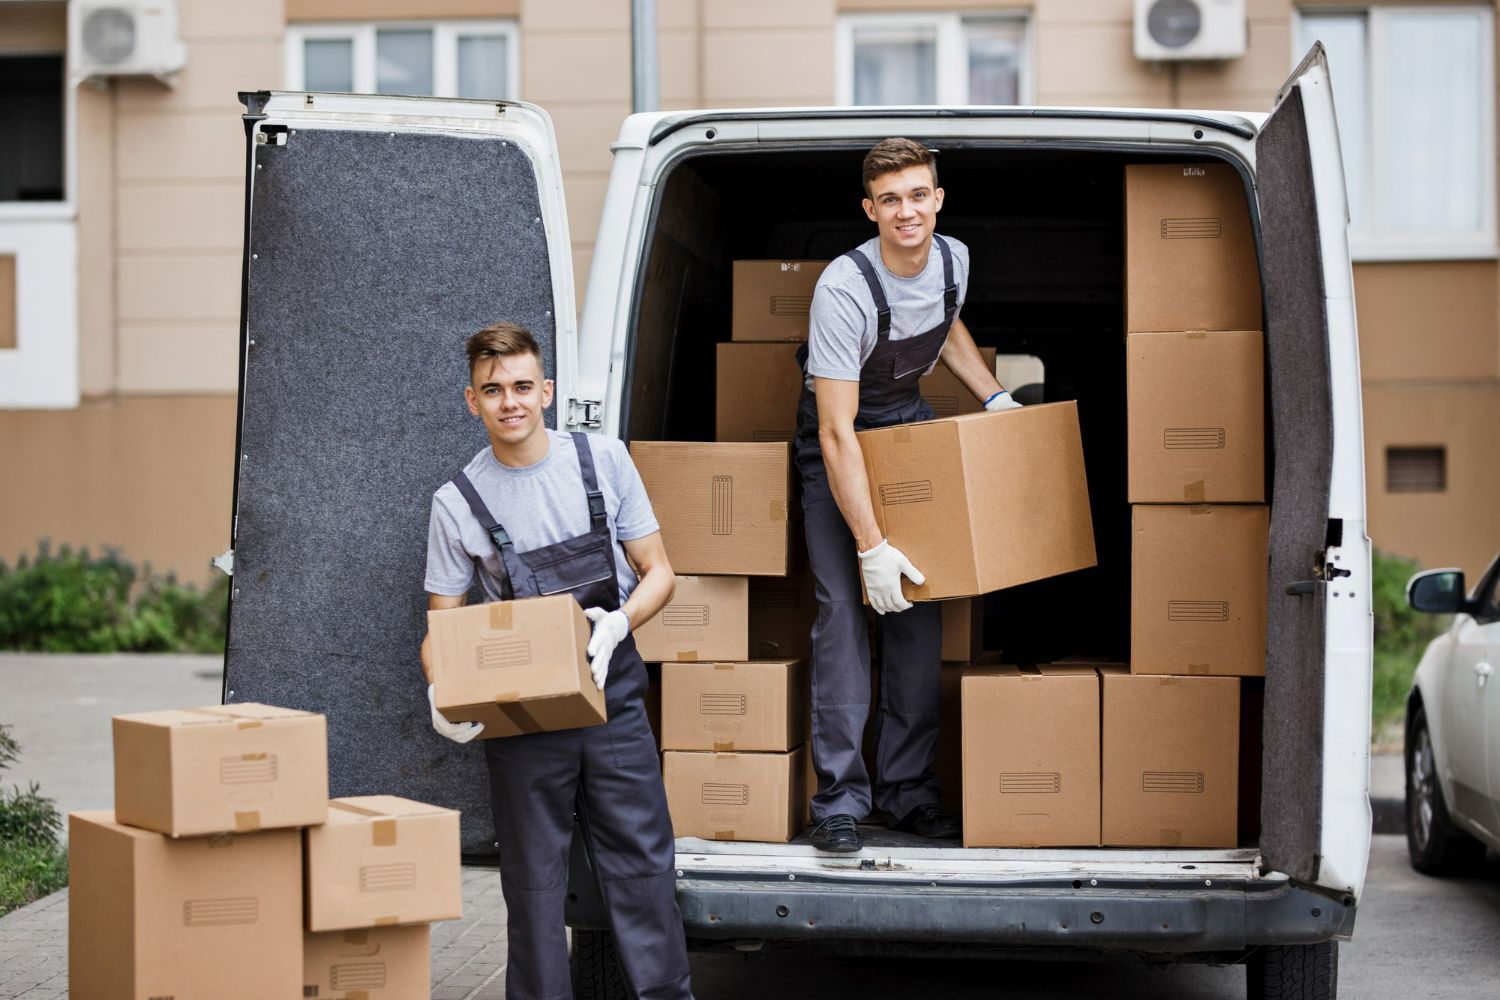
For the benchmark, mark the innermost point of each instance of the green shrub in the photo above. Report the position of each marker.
(1401, 634)
(28, 817)
(32, 865)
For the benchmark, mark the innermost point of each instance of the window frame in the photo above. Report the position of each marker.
(445, 36)
(1374, 242)
(951, 55)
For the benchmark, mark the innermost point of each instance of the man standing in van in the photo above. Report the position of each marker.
(882, 315)
(574, 510)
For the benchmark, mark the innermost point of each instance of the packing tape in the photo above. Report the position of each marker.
(724, 747)
(1200, 509)
(723, 666)
(1193, 492)
(1197, 334)
(387, 921)
(519, 717)
(777, 511)
(356, 937)
(723, 835)
(900, 435)
(1197, 669)
(1171, 838)
(502, 616)
(687, 656)
(383, 832)
(247, 822)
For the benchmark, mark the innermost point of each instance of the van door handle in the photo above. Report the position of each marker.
(1482, 671)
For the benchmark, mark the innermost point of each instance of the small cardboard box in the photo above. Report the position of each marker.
(1198, 589)
(382, 860)
(1190, 259)
(983, 501)
(1031, 756)
(1196, 417)
(379, 963)
(221, 769)
(723, 507)
(760, 706)
(782, 612)
(708, 618)
(736, 796)
(516, 666)
(155, 916)
(1171, 760)
(772, 298)
(758, 385)
(963, 629)
(949, 397)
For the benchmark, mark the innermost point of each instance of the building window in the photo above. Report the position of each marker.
(31, 106)
(1414, 89)
(1416, 470)
(478, 59)
(938, 58)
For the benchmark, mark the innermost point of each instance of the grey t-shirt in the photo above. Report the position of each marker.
(843, 325)
(538, 505)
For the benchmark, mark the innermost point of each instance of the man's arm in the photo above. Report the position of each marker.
(962, 357)
(657, 581)
(436, 602)
(838, 403)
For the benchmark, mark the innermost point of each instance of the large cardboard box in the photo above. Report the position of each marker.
(154, 916)
(708, 618)
(1031, 756)
(758, 385)
(1196, 417)
(963, 629)
(1190, 259)
(782, 612)
(380, 860)
(736, 796)
(1170, 760)
(949, 397)
(772, 298)
(516, 666)
(221, 769)
(760, 706)
(723, 507)
(379, 963)
(1198, 589)
(983, 501)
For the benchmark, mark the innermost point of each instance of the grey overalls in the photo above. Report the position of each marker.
(610, 771)
(911, 640)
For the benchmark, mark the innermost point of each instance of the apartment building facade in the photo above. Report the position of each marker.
(121, 206)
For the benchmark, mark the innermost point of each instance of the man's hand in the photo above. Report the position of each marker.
(610, 629)
(882, 568)
(1001, 401)
(458, 732)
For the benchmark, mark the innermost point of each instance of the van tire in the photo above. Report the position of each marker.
(1436, 846)
(595, 966)
(1294, 972)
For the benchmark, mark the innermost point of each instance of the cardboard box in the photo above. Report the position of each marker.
(154, 916)
(983, 501)
(782, 612)
(221, 769)
(1190, 259)
(963, 629)
(1171, 760)
(758, 385)
(949, 397)
(1031, 756)
(723, 507)
(736, 796)
(382, 860)
(759, 706)
(1198, 589)
(516, 666)
(772, 298)
(379, 963)
(708, 618)
(1196, 417)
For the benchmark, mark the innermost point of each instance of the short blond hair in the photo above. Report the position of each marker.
(501, 340)
(889, 156)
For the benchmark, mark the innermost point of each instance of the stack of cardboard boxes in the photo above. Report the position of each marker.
(225, 870)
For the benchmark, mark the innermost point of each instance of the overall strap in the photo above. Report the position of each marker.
(590, 479)
(950, 286)
(492, 527)
(882, 307)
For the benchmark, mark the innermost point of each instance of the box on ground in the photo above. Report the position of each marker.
(983, 501)
(1031, 756)
(949, 397)
(761, 705)
(757, 388)
(381, 860)
(1198, 589)
(155, 916)
(772, 298)
(221, 769)
(1195, 406)
(1170, 760)
(736, 796)
(782, 612)
(516, 666)
(963, 629)
(723, 506)
(1190, 259)
(377, 963)
(708, 618)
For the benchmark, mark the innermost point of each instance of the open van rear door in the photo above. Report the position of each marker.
(1315, 818)
(380, 233)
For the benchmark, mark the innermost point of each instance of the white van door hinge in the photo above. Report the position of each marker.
(585, 413)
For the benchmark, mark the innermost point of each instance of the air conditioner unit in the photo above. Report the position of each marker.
(125, 38)
(1189, 29)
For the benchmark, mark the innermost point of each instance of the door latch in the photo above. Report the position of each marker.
(585, 413)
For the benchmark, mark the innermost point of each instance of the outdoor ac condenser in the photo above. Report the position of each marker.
(125, 38)
(1168, 30)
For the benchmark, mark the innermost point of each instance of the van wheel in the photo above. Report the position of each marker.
(595, 967)
(1294, 972)
(1435, 845)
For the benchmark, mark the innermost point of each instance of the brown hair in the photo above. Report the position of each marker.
(891, 155)
(500, 340)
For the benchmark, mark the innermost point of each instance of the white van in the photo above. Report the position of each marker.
(380, 231)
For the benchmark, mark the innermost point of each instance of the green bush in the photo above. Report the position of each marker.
(32, 864)
(67, 601)
(1401, 634)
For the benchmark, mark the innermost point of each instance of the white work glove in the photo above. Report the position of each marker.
(458, 732)
(610, 629)
(1001, 401)
(882, 568)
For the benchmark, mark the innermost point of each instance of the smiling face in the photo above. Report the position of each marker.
(510, 396)
(904, 205)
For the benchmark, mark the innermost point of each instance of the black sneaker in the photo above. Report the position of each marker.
(929, 820)
(838, 834)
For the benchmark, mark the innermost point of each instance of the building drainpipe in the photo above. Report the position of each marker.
(645, 78)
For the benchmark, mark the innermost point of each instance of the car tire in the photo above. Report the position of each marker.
(1436, 846)
(1293, 972)
(595, 967)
